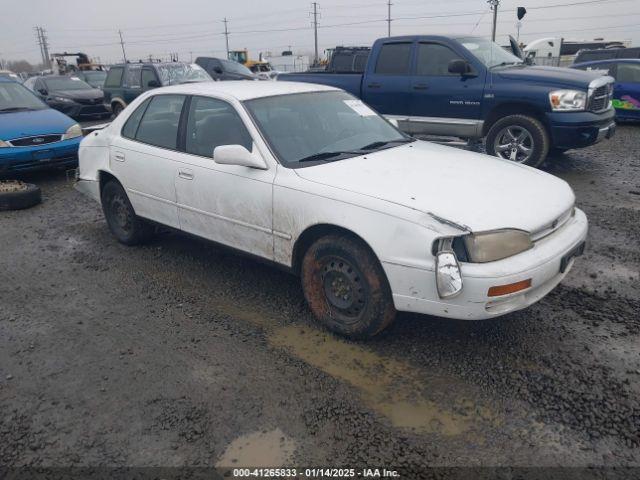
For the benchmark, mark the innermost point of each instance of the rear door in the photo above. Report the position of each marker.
(626, 93)
(143, 157)
(113, 84)
(386, 85)
(436, 93)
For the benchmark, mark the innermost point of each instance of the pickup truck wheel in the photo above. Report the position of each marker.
(123, 222)
(346, 288)
(117, 109)
(518, 138)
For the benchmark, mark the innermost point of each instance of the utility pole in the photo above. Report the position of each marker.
(494, 5)
(124, 54)
(39, 37)
(45, 47)
(315, 31)
(389, 18)
(226, 35)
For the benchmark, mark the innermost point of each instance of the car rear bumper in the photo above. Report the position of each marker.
(52, 155)
(580, 129)
(414, 289)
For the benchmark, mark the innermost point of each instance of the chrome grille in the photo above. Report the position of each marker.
(600, 97)
(35, 140)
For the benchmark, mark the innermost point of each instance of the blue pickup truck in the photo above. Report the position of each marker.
(470, 87)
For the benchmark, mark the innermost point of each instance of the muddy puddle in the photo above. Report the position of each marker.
(265, 449)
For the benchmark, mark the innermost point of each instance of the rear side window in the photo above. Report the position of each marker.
(628, 73)
(342, 62)
(131, 126)
(394, 59)
(213, 123)
(159, 125)
(433, 59)
(114, 77)
(132, 78)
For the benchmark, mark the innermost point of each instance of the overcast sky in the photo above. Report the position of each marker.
(194, 27)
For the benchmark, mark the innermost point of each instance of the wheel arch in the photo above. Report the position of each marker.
(317, 231)
(104, 177)
(513, 108)
(115, 100)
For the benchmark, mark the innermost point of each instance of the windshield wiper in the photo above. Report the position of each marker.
(14, 109)
(328, 155)
(379, 144)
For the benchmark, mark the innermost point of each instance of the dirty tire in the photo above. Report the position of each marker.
(123, 222)
(116, 109)
(539, 135)
(346, 288)
(21, 199)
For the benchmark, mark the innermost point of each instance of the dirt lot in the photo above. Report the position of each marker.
(181, 353)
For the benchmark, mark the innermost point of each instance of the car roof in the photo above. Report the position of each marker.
(246, 89)
(610, 60)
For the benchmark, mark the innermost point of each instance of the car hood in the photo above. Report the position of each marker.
(35, 122)
(472, 191)
(565, 77)
(88, 94)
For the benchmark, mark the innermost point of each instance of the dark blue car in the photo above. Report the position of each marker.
(32, 135)
(626, 90)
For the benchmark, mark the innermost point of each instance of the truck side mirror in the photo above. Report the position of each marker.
(218, 70)
(43, 91)
(153, 84)
(459, 67)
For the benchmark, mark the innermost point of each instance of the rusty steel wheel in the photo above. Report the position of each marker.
(123, 222)
(346, 288)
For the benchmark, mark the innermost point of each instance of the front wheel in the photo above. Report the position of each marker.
(123, 222)
(346, 288)
(117, 109)
(519, 138)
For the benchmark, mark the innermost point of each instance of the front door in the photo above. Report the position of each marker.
(436, 93)
(228, 204)
(144, 158)
(626, 93)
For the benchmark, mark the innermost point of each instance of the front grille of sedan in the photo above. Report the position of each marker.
(35, 140)
(601, 98)
(88, 101)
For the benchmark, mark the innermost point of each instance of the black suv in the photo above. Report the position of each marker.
(126, 81)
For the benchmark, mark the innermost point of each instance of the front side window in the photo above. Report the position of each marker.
(489, 53)
(394, 59)
(308, 128)
(213, 123)
(159, 124)
(132, 78)
(114, 77)
(433, 59)
(628, 73)
(148, 76)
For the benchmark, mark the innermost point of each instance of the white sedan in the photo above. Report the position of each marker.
(309, 177)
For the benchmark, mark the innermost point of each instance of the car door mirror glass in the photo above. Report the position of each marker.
(238, 155)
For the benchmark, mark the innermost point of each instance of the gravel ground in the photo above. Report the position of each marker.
(181, 353)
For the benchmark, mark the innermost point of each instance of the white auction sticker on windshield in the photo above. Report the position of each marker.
(360, 108)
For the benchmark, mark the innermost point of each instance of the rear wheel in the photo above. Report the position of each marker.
(123, 222)
(346, 288)
(519, 138)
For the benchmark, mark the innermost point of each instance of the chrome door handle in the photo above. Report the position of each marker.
(119, 156)
(186, 174)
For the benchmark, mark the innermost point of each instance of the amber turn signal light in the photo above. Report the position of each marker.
(510, 288)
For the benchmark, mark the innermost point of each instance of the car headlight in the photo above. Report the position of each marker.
(73, 131)
(448, 275)
(3, 144)
(62, 99)
(568, 100)
(495, 245)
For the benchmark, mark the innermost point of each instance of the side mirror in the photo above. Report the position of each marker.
(238, 155)
(43, 91)
(459, 67)
(218, 70)
(153, 84)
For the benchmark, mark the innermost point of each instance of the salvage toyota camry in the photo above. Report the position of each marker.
(309, 177)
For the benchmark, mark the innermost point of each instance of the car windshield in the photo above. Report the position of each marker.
(488, 52)
(235, 67)
(65, 83)
(175, 73)
(321, 126)
(14, 97)
(96, 78)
